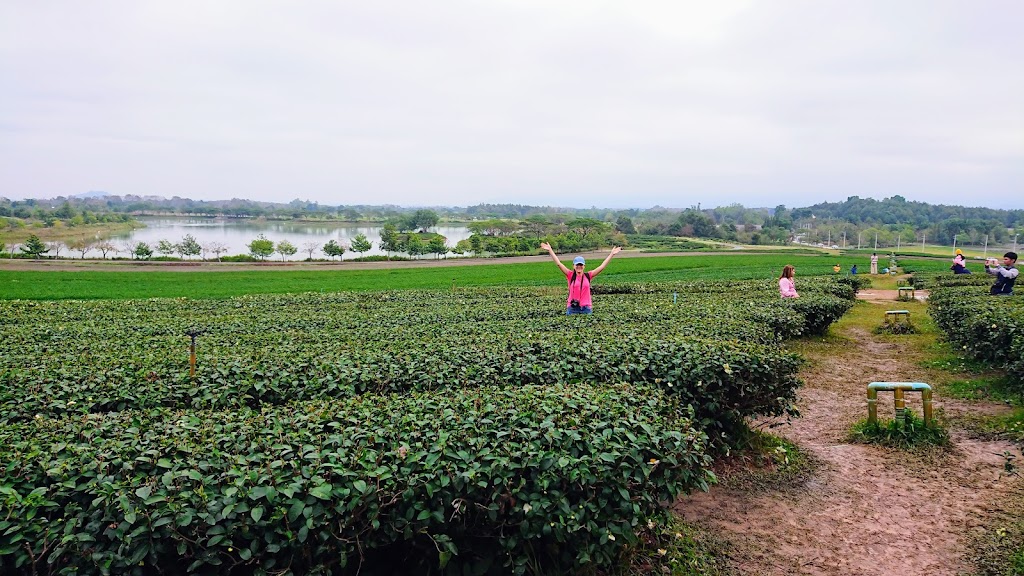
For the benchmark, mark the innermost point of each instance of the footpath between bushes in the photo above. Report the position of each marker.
(866, 509)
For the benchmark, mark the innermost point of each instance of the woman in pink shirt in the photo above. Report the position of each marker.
(787, 289)
(579, 301)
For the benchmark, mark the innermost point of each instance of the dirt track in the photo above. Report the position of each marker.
(867, 510)
(71, 265)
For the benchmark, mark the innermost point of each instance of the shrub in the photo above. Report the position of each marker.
(984, 327)
(557, 476)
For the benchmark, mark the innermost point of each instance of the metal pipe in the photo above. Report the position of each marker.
(899, 389)
(900, 407)
(872, 405)
(926, 402)
(192, 333)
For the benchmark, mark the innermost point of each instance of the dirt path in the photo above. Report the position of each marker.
(866, 510)
(72, 265)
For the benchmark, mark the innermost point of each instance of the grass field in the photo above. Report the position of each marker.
(59, 285)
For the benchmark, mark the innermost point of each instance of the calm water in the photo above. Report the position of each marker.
(235, 234)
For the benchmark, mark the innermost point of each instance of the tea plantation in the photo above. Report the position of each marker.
(465, 431)
(987, 328)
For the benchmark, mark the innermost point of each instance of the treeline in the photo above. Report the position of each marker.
(19, 213)
(891, 221)
(897, 220)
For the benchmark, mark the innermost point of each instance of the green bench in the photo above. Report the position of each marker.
(896, 315)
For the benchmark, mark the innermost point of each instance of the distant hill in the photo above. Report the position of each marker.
(92, 194)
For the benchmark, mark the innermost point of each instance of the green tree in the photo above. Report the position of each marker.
(333, 249)
(625, 225)
(34, 246)
(696, 223)
(438, 245)
(414, 245)
(586, 226)
(494, 227)
(424, 219)
(261, 247)
(142, 251)
(189, 246)
(165, 247)
(65, 212)
(360, 244)
(286, 249)
(536, 224)
(389, 241)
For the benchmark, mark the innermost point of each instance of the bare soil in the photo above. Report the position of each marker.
(875, 295)
(866, 510)
(92, 265)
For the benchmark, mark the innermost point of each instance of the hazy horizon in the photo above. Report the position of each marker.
(457, 103)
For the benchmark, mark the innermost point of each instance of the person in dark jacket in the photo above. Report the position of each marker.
(1006, 275)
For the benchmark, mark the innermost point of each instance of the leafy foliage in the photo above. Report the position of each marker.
(555, 476)
(261, 247)
(986, 328)
(455, 431)
(34, 246)
(361, 244)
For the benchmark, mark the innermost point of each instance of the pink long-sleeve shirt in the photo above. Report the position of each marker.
(787, 288)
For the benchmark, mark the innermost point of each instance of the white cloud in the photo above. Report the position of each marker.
(457, 102)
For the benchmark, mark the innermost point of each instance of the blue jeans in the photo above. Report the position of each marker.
(580, 310)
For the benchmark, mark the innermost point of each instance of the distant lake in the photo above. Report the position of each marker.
(236, 233)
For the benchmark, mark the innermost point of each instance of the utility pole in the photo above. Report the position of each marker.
(858, 240)
(844, 239)
(986, 246)
(923, 235)
(954, 242)
(1014, 242)
(898, 242)
(876, 241)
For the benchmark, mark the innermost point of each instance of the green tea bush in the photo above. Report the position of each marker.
(555, 476)
(724, 381)
(721, 352)
(929, 281)
(377, 432)
(984, 327)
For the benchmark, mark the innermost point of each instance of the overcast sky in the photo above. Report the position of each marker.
(569, 103)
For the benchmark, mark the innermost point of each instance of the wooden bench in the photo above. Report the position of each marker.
(896, 315)
(903, 290)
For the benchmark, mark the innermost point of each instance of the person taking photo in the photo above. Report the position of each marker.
(1006, 275)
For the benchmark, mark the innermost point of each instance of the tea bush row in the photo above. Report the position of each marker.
(984, 327)
(724, 381)
(550, 476)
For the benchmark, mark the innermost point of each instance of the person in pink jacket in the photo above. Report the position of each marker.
(787, 289)
(579, 301)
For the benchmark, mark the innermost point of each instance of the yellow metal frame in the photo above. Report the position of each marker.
(899, 389)
(894, 315)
